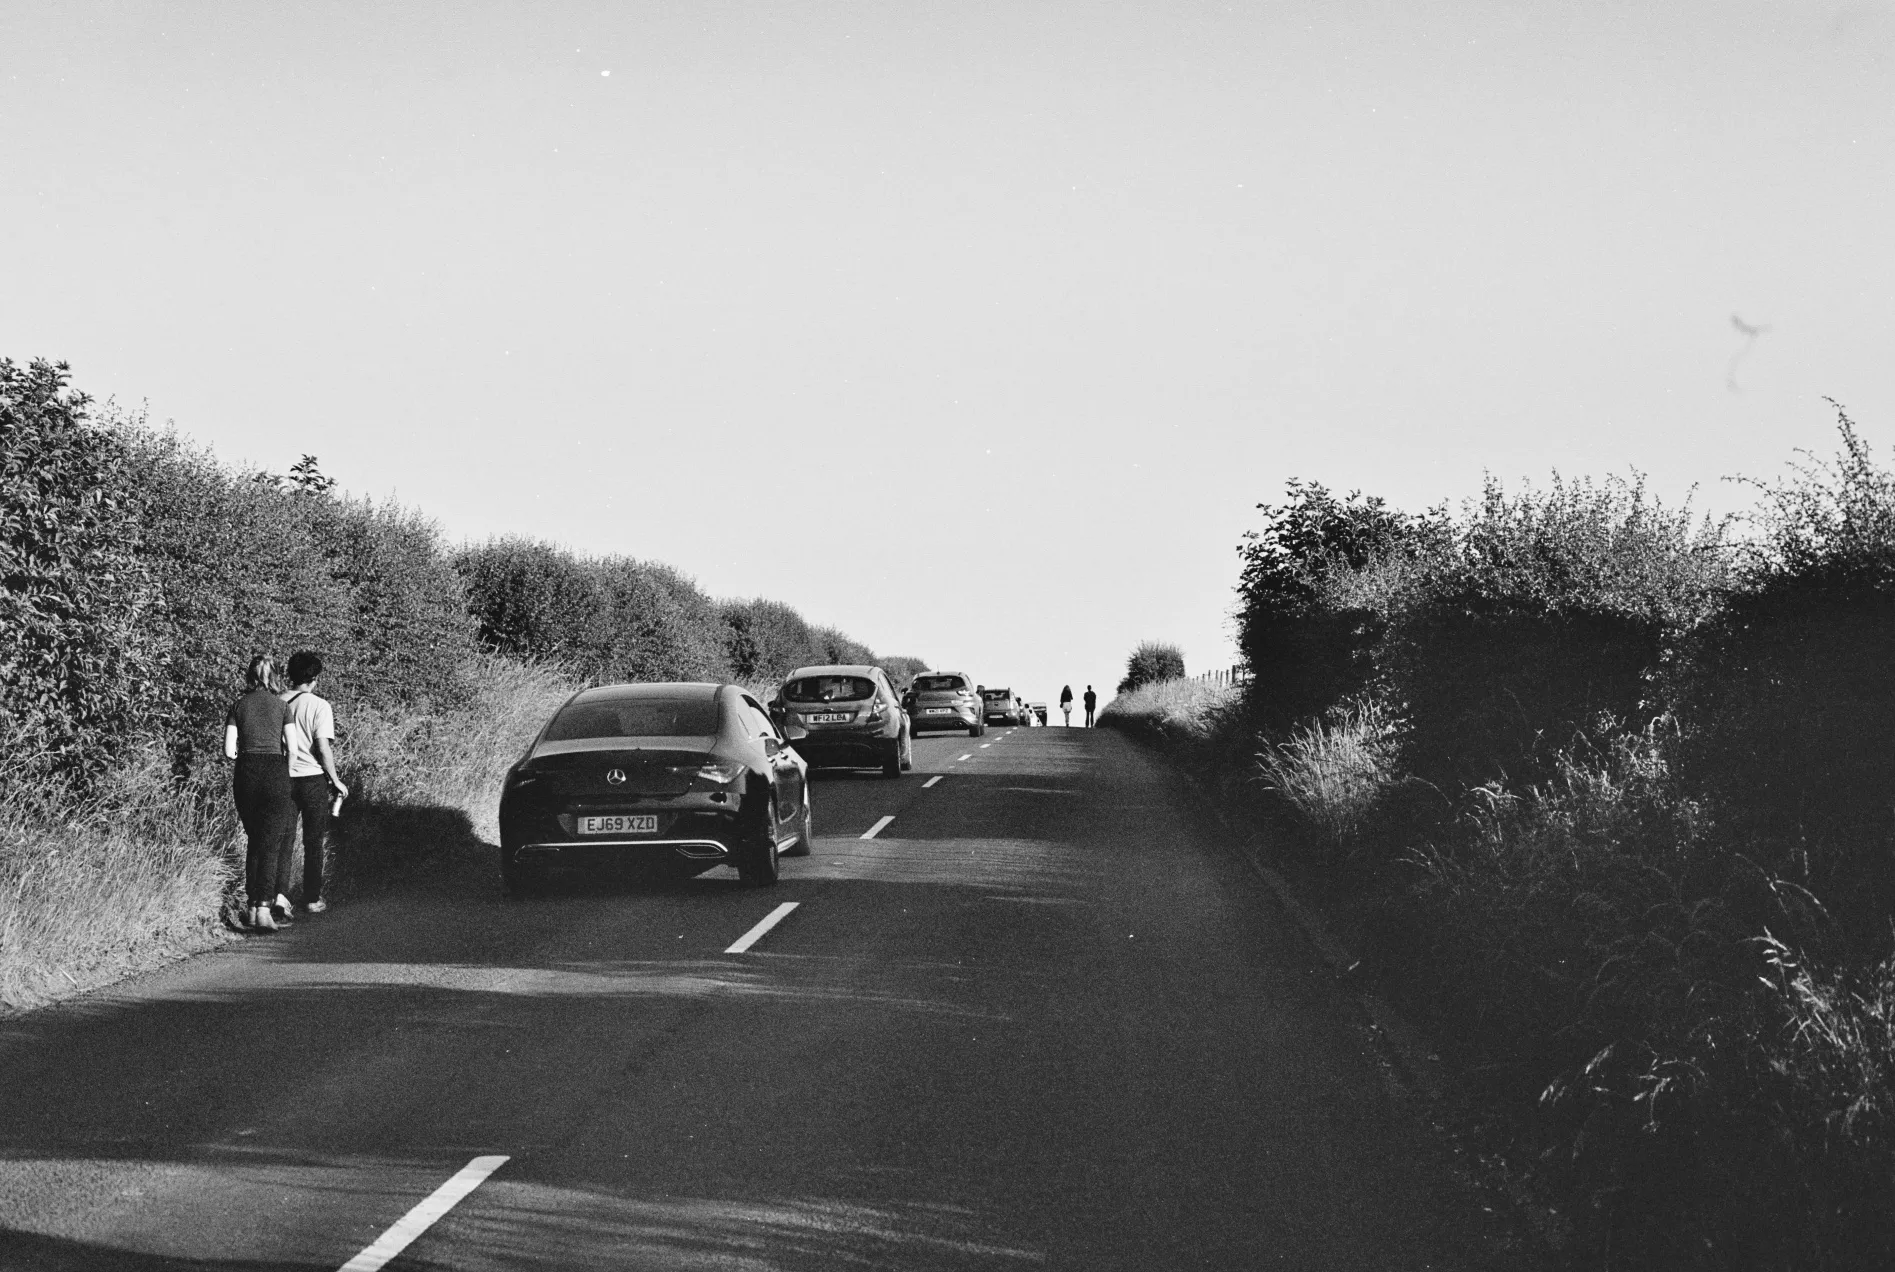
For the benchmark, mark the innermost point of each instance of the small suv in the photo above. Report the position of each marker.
(945, 700)
(1000, 706)
(845, 716)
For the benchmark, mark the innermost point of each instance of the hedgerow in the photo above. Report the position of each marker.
(139, 575)
(1602, 787)
(77, 662)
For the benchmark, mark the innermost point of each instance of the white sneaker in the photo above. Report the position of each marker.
(261, 920)
(316, 907)
(283, 909)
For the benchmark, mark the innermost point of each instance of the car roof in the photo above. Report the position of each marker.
(833, 669)
(689, 691)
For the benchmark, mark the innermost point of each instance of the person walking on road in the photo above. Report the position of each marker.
(314, 782)
(1066, 704)
(256, 737)
(1092, 700)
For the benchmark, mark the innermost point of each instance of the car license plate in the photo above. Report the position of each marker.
(635, 824)
(831, 717)
(939, 711)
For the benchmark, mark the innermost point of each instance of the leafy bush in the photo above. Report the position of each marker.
(76, 661)
(1151, 663)
(1544, 625)
(1607, 795)
(1792, 691)
(245, 562)
(1318, 587)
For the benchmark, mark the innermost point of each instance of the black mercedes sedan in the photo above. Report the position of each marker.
(665, 778)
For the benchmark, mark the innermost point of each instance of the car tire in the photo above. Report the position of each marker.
(756, 855)
(908, 753)
(805, 832)
(978, 731)
(891, 763)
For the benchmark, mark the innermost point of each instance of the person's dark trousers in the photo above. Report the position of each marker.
(311, 797)
(1088, 717)
(261, 787)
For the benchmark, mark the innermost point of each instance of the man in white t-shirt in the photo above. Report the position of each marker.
(314, 782)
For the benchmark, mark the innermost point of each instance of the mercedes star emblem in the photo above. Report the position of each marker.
(615, 776)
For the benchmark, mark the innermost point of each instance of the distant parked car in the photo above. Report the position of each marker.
(846, 716)
(945, 700)
(1039, 712)
(671, 778)
(1000, 706)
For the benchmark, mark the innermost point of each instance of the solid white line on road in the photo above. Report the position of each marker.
(968, 756)
(876, 829)
(755, 934)
(424, 1216)
(931, 781)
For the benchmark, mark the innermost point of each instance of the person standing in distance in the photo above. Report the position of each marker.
(256, 737)
(1092, 700)
(314, 781)
(1066, 704)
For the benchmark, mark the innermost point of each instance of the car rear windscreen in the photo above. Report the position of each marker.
(938, 684)
(635, 718)
(829, 689)
(996, 695)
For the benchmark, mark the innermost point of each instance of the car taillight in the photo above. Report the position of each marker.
(878, 713)
(714, 773)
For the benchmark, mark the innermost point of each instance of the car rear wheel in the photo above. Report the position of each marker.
(756, 856)
(908, 753)
(805, 832)
(978, 730)
(891, 763)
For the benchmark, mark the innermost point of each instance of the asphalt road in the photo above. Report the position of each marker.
(1038, 1021)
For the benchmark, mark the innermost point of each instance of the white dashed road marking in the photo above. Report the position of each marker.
(931, 781)
(985, 745)
(968, 756)
(424, 1216)
(755, 934)
(876, 829)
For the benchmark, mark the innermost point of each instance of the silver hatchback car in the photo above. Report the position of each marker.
(845, 716)
(946, 700)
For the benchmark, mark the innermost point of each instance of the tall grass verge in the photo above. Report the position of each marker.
(95, 889)
(1334, 772)
(1168, 709)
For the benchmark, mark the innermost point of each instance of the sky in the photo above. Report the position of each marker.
(976, 330)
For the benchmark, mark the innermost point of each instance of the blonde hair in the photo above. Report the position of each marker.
(261, 674)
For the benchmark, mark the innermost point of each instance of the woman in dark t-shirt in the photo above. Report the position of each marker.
(255, 737)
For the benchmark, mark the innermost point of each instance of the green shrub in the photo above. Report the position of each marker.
(1319, 585)
(246, 562)
(1545, 625)
(1151, 663)
(901, 668)
(1791, 691)
(77, 661)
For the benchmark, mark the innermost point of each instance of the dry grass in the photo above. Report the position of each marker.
(93, 892)
(1169, 708)
(455, 758)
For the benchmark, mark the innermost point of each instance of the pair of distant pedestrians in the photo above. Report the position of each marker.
(282, 741)
(1066, 704)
